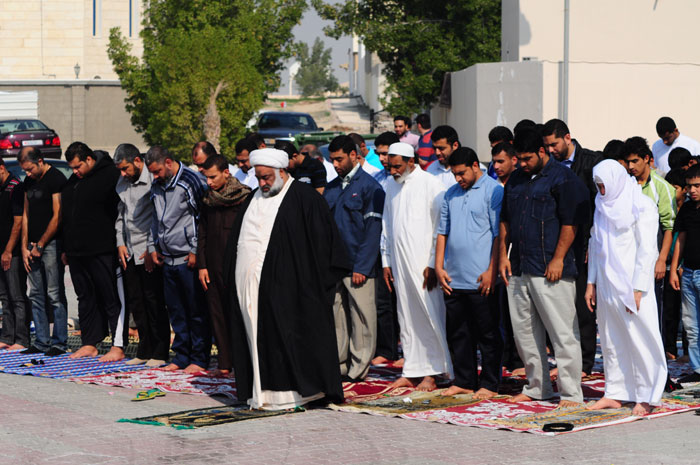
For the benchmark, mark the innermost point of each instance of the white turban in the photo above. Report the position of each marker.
(273, 158)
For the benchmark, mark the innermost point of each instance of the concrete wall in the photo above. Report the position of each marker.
(89, 111)
(365, 75)
(44, 39)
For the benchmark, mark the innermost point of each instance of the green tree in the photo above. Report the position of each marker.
(196, 52)
(315, 75)
(419, 41)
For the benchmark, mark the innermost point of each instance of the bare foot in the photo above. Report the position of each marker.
(219, 372)
(84, 351)
(114, 355)
(16, 347)
(641, 409)
(605, 402)
(484, 393)
(519, 372)
(428, 384)
(584, 375)
(380, 360)
(4, 345)
(399, 363)
(554, 373)
(670, 356)
(520, 398)
(568, 404)
(194, 368)
(402, 382)
(133, 332)
(171, 367)
(454, 390)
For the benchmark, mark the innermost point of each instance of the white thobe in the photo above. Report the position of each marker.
(254, 238)
(248, 178)
(661, 151)
(369, 168)
(410, 223)
(633, 353)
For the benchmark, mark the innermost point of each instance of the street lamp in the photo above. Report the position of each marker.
(76, 68)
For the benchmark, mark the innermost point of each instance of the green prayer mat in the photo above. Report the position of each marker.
(211, 416)
(415, 401)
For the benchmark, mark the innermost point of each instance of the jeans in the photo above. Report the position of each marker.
(15, 305)
(690, 291)
(44, 280)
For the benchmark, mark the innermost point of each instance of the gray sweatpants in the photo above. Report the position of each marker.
(537, 308)
(355, 313)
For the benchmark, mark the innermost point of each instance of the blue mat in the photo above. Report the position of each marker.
(60, 367)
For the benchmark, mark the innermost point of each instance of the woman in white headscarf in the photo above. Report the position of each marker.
(621, 258)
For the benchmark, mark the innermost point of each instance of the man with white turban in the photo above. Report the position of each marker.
(410, 225)
(283, 260)
(621, 258)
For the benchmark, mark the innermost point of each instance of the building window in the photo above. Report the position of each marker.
(96, 18)
(131, 18)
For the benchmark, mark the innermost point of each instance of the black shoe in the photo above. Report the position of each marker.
(691, 378)
(55, 352)
(32, 350)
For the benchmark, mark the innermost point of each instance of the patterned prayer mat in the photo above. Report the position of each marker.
(60, 367)
(395, 403)
(212, 416)
(167, 381)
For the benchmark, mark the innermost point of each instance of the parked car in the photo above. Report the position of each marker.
(14, 168)
(18, 133)
(277, 124)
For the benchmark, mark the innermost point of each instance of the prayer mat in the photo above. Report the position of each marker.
(395, 404)
(212, 416)
(60, 367)
(177, 382)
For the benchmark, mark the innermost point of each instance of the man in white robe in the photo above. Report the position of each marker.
(410, 222)
(621, 257)
(283, 261)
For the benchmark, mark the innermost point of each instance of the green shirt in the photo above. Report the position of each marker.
(664, 196)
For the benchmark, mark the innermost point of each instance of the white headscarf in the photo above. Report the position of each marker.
(615, 212)
(273, 158)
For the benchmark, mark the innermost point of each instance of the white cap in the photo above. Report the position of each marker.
(273, 158)
(401, 148)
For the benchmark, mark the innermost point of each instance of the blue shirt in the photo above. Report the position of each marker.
(373, 159)
(469, 218)
(357, 210)
(382, 177)
(536, 209)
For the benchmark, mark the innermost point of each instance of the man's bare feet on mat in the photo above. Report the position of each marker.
(402, 382)
(114, 355)
(16, 347)
(454, 390)
(4, 346)
(554, 373)
(380, 360)
(193, 368)
(518, 372)
(568, 404)
(484, 394)
(171, 367)
(84, 351)
(520, 398)
(641, 409)
(605, 402)
(219, 372)
(399, 363)
(428, 384)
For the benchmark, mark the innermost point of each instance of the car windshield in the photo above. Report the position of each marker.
(18, 125)
(277, 120)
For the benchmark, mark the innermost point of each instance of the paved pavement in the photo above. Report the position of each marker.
(45, 421)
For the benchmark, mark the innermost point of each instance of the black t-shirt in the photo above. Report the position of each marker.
(40, 199)
(11, 205)
(311, 171)
(688, 221)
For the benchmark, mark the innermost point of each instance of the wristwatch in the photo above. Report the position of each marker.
(39, 248)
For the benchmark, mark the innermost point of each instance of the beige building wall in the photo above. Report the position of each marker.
(45, 39)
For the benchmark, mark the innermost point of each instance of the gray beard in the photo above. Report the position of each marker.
(276, 187)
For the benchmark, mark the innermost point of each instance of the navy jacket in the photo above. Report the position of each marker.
(357, 211)
(536, 209)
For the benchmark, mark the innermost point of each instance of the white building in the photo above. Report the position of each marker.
(629, 63)
(365, 75)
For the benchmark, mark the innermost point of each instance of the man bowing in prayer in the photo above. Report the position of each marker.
(283, 260)
(621, 257)
(410, 224)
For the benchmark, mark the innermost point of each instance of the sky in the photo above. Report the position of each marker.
(311, 27)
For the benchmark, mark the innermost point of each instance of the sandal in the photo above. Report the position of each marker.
(148, 395)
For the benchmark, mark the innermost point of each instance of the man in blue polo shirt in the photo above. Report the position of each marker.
(466, 260)
(544, 205)
(357, 202)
